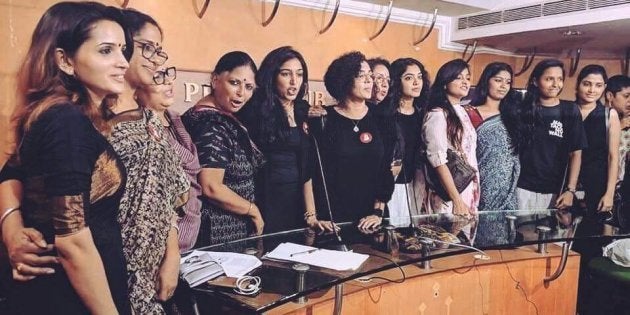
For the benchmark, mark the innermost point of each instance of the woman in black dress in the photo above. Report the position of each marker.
(601, 126)
(228, 158)
(356, 146)
(276, 119)
(405, 104)
(72, 178)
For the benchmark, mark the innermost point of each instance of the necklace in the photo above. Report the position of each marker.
(356, 125)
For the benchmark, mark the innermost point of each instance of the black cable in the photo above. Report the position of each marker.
(404, 276)
(518, 284)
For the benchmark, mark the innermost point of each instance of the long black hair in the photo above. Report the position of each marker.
(438, 99)
(269, 117)
(508, 106)
(528, 108)
(396, 70)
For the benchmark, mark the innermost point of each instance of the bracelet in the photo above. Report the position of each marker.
(309, 214)
(251, 205)
(571, 190)
(6, 213)
(378, 212)
(173, 225)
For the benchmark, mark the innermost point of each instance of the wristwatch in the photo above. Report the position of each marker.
(571, 190)
(378, 212)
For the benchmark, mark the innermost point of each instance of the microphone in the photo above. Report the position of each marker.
(339, 245)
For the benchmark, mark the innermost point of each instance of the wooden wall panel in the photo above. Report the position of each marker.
(497, 287)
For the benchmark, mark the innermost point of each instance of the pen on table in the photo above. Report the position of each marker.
(305, 252)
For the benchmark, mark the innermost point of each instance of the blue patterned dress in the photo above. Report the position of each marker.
(499, 169)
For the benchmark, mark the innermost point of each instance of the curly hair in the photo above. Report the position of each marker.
(438, 99)
(396, 70)
(340, 75)
(270, 117)
(508, 106)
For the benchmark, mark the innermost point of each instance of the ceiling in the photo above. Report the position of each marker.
(598, 40)
(608, 39)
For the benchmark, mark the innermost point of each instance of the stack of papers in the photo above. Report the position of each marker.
(200, 266)
(332, 259)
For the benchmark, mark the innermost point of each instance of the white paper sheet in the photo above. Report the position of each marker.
(332, 259)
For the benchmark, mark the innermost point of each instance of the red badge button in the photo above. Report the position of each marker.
(365, 137)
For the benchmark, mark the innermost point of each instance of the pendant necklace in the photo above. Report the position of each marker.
(356, 125)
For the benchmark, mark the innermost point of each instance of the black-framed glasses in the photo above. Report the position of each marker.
(160, 76)
(149, 51)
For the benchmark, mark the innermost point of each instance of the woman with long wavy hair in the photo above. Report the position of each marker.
(405, 104)
(448, 127)
(276, 118)
(155, 185)
(71, 177)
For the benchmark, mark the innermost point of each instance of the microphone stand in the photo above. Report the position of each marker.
(339, 245)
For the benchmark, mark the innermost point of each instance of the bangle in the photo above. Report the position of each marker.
(6, 213)
(309, 214)
(173, 225)
(251, 205)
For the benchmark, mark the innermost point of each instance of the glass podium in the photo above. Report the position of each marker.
(430, 237)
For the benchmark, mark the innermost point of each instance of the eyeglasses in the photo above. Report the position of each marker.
(362, 76)
(149, 51)
(382, 79)
(160, 76)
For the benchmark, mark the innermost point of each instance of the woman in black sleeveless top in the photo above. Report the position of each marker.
(601, 124)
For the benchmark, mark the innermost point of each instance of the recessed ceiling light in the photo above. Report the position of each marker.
(572, 33)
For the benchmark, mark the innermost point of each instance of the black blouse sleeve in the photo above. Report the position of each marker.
(215, 145)
(10, 171)
(68, 140)
(69, 147)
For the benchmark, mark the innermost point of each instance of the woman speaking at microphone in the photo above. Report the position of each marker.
(276, 119)
(355, 146)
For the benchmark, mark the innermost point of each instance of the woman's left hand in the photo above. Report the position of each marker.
(370, 222)
(565, 200)
(606, 203)
(168, 276)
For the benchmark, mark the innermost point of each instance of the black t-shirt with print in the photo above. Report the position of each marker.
(558, 132)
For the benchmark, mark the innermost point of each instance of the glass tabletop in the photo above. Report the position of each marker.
(440, 235)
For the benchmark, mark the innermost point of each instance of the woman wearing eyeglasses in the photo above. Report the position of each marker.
(382, 82)
(159, 97)
(356, 147)
(228, 157)
(155, 184)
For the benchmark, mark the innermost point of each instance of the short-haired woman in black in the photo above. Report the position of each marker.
(276, 119)
(405, 104)
(356, 148)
